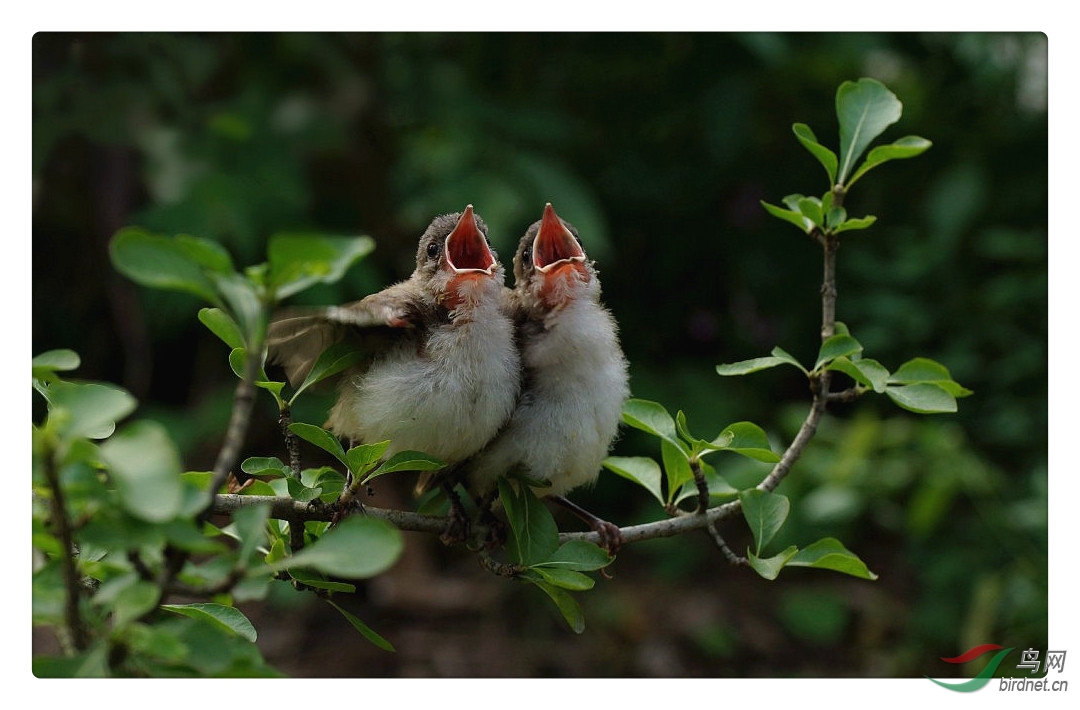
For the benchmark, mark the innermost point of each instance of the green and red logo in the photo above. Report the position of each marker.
(984, 676)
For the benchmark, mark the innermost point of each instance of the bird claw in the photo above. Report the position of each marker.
(458, 529)
(611, 537)
(459, 526)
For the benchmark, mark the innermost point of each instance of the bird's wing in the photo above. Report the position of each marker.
(298, 335)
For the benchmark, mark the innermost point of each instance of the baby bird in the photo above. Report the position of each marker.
(441, 370)
(574, 374)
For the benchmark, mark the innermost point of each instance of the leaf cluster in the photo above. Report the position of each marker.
(864, 108)
(537, 556)
(119, 526)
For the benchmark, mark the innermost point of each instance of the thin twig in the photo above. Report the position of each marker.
(296, 535)
(702, 485)
(720, 543)
(68, 571)
(292, 445)
(849, 395)
(502, 569)
(243, 401)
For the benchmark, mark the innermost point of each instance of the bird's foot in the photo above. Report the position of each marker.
(495, 528)
(459, 526)
(611, 537)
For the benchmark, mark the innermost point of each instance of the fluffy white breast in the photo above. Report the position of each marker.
(448, 399)
(562, 429)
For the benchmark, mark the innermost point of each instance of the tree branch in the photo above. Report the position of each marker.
(59, 518)
(243, 401)
(292, 446)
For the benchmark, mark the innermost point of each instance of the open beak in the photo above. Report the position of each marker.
(466, 249)
(554, 245)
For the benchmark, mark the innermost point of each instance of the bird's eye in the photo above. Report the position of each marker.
(526, 256)
(433, 250)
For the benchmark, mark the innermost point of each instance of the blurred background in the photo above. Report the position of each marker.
(658, 147)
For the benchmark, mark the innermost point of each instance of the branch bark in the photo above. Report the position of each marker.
(72, 588)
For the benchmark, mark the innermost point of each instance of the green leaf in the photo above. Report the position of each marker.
(226, 618)
(564, 578)
(839, 345)
(579, 555)
(94, 663)
(924, 370)
(408, 461)
(923, 398)
(769, 567)
(133, 601)
(145, 466)
(237, 362)
(853, 224)
(826, 157)
(160, 262)
(331, 486)
(87, 409)
(298, 261)
(779, 357)
(299, 492)
(244, 303)
(787, 357)
(361, 457)
(274, 388)
(258, 488)
(318, 581)
(249, 525)
(747, 439)
(867, 372)
(834, 217)
(793, 216)
(568, 606)
(50, 361)
(276, 553)
(339, 356)
(745, 367)
(792, 200)
(321, 438)
(265, 466)
(865, 109)
(719, 489)
(223, 326)
(676, 466)
(765, 513)
(365, 630)
(810, 207)
(920, 369)
(906, 147)
(830, 553)
(534, 537)
(205, 252)
(641, 470)
(357, 548)
(650, 417)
